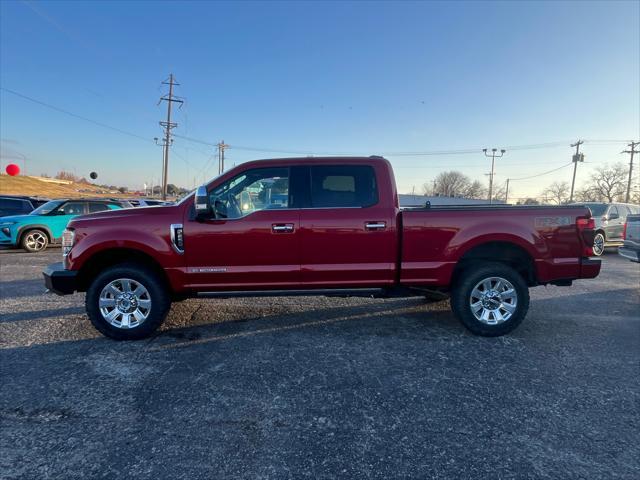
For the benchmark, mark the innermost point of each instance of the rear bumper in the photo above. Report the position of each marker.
(590, 267)
(59, 280)
(631, 254)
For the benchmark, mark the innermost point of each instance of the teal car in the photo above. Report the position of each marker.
(44, 225)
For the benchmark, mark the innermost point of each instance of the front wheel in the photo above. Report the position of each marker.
(34, 241)
(127, 302)
(598, 244)
(491, 299)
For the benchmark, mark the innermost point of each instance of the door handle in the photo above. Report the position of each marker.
(282, 227)
(375, 226)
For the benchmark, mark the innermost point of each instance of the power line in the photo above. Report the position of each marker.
(541, 174)
(66, 112)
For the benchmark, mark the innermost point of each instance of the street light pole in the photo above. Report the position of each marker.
(493, 164)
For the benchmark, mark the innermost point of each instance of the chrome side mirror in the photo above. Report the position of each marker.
(201, 202)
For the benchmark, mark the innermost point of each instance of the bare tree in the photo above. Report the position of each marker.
(608, 183)
(557, 192)
(454, 184)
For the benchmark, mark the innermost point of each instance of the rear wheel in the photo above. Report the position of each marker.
(127, 302)
(34, 241)
(598, 244)
(490, 299)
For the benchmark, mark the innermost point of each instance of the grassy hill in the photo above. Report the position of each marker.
(22, 185)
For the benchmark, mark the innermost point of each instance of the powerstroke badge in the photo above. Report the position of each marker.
(545, 222)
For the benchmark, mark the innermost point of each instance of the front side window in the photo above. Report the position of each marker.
(343, 186)
(613, 211)
(251, 191)
(72, 208)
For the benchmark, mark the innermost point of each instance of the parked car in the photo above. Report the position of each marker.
(44, 225)
(35, 201)
(631, 247)
(339, 232)
(147, 202)
(14, 206)
(609, 219)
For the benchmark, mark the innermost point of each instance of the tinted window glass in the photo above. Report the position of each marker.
(613, 210)
(97, 207)
(343, 186)
(10, 203)
(259, 189)
(72, 208)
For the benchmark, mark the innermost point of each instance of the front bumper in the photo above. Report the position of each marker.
(59, 280)
(631, 254)
(590, 267)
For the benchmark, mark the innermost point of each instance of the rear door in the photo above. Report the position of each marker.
(253, 241)
(345, 232)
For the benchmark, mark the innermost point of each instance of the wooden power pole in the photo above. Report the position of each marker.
(168, 125)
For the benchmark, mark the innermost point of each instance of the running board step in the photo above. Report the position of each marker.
(331, 292)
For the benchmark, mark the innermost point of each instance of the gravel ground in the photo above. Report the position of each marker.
(312, 387)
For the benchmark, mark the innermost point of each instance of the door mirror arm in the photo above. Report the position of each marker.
(201, 203)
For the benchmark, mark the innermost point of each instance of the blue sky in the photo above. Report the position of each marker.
(350, 77)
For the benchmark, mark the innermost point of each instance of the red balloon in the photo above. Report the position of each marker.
(12, 169)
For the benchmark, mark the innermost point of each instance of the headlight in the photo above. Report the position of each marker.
(5, 227)
(68, 236)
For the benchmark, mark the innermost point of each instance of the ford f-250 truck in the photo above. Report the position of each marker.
(328, 226)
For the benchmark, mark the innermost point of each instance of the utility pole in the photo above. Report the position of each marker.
(631, 152)
(578, 157)
(493, 163)
(221, 148)
(506, 193)
(168, 126)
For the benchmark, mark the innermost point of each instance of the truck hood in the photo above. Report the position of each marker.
(127, 214)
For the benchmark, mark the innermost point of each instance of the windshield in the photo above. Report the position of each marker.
(47, 207)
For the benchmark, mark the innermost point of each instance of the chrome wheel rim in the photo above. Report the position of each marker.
(493, 300)
(125, 303)
(598, 244)
(36, 241)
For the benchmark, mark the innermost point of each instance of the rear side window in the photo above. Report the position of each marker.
(613, 210)
(343, 186)
(97, 207)
(13, 204)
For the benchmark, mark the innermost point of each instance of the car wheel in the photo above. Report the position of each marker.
(598, 244)
(490, 299)
(127, 302)
(34, 241)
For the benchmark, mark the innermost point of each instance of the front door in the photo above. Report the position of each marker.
(347, 236)
(62, 215)
(615, 223)
(252, 242)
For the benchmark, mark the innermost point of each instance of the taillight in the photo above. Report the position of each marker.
(624, 231)
(587, 230)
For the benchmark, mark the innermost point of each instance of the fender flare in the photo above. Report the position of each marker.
(34, 226)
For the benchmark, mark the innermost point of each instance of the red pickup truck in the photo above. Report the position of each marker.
(324, 226)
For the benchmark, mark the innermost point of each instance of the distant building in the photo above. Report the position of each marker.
(408, 200)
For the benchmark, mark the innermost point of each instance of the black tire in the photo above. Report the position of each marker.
(34, 241)
(156, 291)
(461, 297)
(599, 239)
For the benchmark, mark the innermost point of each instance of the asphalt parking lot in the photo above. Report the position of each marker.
(321, 388)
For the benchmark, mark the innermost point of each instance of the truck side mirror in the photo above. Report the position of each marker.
(201, 202)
